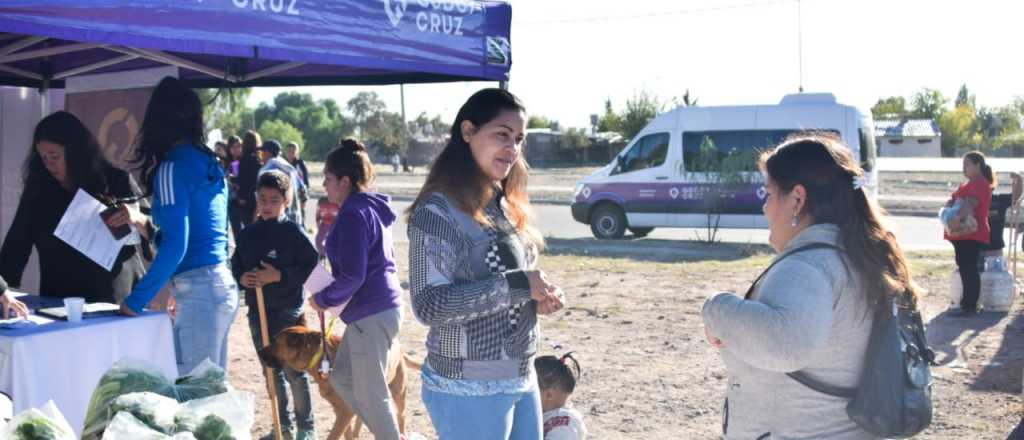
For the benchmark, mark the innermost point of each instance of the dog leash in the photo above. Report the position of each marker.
(325, 357)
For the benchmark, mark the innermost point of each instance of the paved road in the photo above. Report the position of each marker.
(915, 233)
(945, 164)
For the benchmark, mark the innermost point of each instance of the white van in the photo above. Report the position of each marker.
(695, 164)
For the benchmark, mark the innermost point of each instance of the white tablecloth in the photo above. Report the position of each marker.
(63, 362)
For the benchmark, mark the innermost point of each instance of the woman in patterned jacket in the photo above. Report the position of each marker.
(472, 257)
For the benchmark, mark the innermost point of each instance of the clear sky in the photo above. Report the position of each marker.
(570, 55)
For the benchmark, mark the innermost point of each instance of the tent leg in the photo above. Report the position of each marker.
(503, 85)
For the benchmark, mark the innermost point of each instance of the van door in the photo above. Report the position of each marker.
(641, 178)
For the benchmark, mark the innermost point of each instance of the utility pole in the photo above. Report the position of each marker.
(800, 41)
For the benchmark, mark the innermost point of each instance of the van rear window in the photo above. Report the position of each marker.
(733, 150)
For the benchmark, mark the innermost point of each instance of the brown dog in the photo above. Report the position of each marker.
(298, 347)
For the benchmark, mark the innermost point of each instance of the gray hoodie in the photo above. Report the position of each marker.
(807, 315)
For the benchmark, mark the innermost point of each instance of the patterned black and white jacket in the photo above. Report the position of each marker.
(469, 287)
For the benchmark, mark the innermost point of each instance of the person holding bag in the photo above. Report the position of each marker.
(969, 230)
(813, 310)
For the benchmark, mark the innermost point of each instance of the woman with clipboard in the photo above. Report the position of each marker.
(65, 157)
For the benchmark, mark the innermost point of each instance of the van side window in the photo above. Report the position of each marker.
(734, 150)
(648, 152)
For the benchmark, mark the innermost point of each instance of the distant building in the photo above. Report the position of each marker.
(542, 145)
(908, 138)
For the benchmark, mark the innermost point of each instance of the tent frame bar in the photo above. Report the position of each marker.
(21, 44)
(67, 48)
(95, 66)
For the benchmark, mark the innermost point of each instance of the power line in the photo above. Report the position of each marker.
(654, 14)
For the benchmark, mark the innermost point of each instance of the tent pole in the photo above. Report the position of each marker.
(405, 125)
(503, 85)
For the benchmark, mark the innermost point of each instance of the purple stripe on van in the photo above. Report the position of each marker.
(676, 198)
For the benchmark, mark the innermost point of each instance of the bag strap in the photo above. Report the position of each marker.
(807, 247)
(822, 387)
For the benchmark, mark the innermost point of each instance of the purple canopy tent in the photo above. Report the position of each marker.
(246, 43)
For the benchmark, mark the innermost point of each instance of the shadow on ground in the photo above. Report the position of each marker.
(955, 338)
(644, 249)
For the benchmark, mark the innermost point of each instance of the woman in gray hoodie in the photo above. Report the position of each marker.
(812, 312)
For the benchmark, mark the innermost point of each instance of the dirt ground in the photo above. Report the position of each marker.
(633, 321)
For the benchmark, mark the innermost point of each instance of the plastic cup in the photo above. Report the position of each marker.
(74, 307)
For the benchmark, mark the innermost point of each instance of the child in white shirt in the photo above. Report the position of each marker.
(557, 380)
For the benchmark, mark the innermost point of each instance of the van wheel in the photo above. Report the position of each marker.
(641, 232)
(608, 222)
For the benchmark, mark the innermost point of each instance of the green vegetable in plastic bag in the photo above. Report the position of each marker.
(125, 377)
(151, 409)
(213, 428)
(36, 428)
(205, 380)
(46, 423)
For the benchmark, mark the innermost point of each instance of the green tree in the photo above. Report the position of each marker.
(383, 130)
(364, 105)
(280, 131)
(640, 110)
(610, 121)
(686, 100)
(964, 98)
(537, 121)
(928, 104)
(893, 107)
(225, 109)
(959, 130)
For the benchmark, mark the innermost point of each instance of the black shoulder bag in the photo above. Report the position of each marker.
(893, 398)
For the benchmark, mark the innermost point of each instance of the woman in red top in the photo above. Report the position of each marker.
(976, 192)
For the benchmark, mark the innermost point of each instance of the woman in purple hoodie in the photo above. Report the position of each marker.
(362, 256)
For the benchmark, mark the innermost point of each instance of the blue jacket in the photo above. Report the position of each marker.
(190, 204)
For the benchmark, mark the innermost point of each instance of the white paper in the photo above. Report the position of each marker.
(82, 228)
(318, 280)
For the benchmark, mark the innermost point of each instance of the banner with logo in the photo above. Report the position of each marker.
(266, 42)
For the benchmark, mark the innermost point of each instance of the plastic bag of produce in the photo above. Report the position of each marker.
(153, 410)
(46, 423)
(205, 380)
(126, 427)
(968, 224)
(227, 416)
(125, 377)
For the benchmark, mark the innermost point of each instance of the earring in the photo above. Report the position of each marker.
(795, 221)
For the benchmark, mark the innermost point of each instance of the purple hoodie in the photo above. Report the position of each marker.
(362, 255)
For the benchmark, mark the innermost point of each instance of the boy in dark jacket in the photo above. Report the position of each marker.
(275, 253)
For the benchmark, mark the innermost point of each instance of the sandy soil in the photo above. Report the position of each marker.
(634, 323)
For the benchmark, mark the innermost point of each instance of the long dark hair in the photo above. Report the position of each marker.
(86, 166)
(174, 115)
(351, 160)
(986, 170)
(828, 172)
(251, 141)
(456, 174)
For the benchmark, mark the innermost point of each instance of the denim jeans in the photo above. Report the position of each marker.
(285, 378)
(207, 301)
(500, 417)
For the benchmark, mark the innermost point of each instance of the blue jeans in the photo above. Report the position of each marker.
(297, 381)
(207, 301)
(499, 417)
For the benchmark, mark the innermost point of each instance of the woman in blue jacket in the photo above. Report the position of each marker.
(190, 196)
